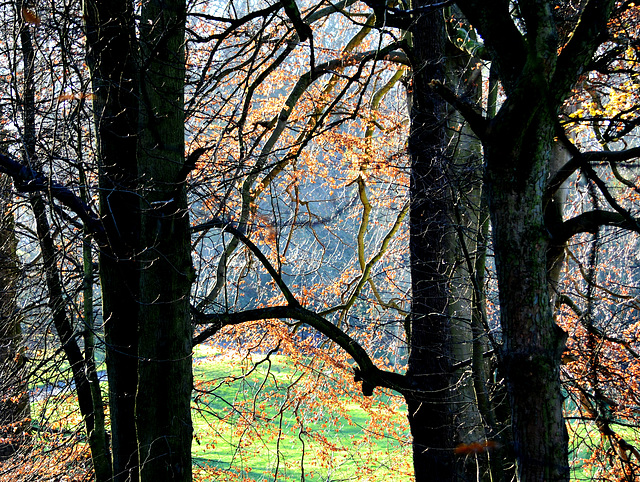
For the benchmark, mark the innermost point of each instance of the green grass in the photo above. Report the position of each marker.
(584, 437)
(271, 436)
(250, 426)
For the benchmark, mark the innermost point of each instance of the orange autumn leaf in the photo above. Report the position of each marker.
(78, 96)
(475, 447)
(30, 17)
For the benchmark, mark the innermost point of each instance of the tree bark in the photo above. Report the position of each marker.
(533, 343)
(430, 407)
(112, 56)
(163, 410)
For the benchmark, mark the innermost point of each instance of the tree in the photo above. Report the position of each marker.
(532, 60)
(14, 396)
(138, 199)
(256, 184)
(430, 407)
(82, 365)
(120, 100)
(146, 270)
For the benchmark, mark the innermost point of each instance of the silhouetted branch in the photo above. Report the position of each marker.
(367, 372)
(469, 111)
(28, 180)
(590, 221)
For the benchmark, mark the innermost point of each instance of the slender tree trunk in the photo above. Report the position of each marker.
(476, 415)
(14, 389)
(163, 411)
(474, 419)
(430, 409)
(89, 396)
(90, 408)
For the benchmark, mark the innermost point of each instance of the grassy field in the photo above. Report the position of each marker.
(585, 437)
(265, 424)
(262, 423)
(267, 435)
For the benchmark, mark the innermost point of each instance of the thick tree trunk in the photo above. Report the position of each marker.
(146, 270)
(430, 408)
(163, 411)
(533, 343)
(112, 55)
(537, 70)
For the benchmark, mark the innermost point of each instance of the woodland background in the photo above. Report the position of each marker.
(233, 231)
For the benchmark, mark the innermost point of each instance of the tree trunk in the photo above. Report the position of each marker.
(533, 343)
(430, 408)
(146, 270)
(14, 389)
(474, 417)
(112, 56)
(163, 410)
(89, 399)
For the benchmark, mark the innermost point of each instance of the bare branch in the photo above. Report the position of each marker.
(494, 22)
(227, 227)
(469, 111)
(587, 36)
(368, 373)
(582, 159)
(28, 180)
(590, 221)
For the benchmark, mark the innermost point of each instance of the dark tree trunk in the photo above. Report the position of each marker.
(163, 410)
(146, 270)
(430, 408)
(533, 343)
(537, 70)
(112, 55)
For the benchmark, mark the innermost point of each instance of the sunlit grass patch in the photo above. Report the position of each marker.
(261, 422)
(596, 457)
(259, 419)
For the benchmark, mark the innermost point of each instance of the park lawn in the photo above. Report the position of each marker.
(262, 442)
(583, 436)
(259, 441)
